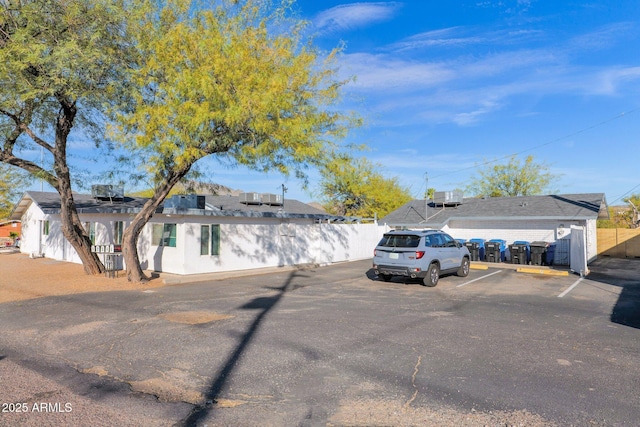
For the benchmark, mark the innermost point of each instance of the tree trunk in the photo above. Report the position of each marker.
(132, 232)
(130, 249)
(75, 233)
(72, 227)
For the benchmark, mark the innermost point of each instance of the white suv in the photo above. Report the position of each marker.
(423, 254)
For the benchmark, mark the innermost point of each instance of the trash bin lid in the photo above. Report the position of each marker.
(521, 242)
(540, 244)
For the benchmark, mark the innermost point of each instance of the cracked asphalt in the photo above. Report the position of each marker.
(330, 346)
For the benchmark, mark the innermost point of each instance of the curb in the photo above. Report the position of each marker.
(175, 279)
(533, 270)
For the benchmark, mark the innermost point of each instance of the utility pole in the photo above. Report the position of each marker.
(635, 215)
(42, 166)
(426, 197)
(284, 190)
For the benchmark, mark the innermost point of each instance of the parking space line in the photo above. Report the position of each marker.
(570, 288)
(479, 278)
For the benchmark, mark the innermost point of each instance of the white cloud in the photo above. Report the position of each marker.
(609, 81)
(354, 15)
(470, 118)
(443, 37)
(380, 72)
(602, 37)
(477, 73)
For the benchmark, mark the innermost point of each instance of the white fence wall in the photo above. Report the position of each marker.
(242, 246)
(248, 246)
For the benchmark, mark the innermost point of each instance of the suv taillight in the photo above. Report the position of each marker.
(419, 254)
(375, 252)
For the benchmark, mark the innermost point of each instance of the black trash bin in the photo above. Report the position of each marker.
(476, 249)
(495, 250)
(473, 248)
(539, 253)
(520, 252)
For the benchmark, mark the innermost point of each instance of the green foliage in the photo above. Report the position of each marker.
(13, 182)
(356, 187)
(634, 200)
(227, 78)
(623, 216)
(431, 193)
(234, 80)
(512, 179)
(62, 62)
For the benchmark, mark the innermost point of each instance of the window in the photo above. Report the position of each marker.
(118, 230)
(164, 235)
(204, 240)
(45, 228)
(90, 227)
(210, 234)
(215, 239)
(400, 241)
(449, 241)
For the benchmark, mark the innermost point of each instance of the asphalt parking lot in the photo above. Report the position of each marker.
(336, 346)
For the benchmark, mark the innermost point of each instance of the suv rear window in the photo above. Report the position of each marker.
(400, 241)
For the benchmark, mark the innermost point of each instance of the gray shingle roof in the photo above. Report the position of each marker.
(49, 202)
(232, 203)
(557, 206)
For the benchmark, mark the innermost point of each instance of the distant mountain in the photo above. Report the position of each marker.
(194, 187)
(205, 188)
(317, 206)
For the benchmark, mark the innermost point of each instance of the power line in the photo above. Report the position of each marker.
(543, 145)
(620, 198)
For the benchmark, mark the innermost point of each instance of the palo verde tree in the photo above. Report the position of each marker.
(230, 79)
(627, 216)
(61, 65)
(12, 182)
(512, 179)
(356, 187)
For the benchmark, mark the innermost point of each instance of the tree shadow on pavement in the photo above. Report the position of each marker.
(265, 305)
(624, 273)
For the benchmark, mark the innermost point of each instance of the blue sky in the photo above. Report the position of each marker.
(444, 86)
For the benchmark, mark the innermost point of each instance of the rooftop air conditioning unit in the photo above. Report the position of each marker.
(447, 198)
(271, 199)
(250, 198)
(107, 192)
(185, 201)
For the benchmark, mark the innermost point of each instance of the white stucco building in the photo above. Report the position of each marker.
(550, 218)
(202, 234)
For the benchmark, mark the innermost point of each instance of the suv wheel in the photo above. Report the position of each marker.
(463, 271)
(432, 277)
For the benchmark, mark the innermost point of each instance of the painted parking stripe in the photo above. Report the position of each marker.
(479, 278)
(570, 288)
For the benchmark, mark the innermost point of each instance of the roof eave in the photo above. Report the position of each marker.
(489, 218)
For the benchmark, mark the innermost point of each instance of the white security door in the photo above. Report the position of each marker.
(578, 258)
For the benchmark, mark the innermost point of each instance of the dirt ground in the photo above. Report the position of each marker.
(24, 278)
